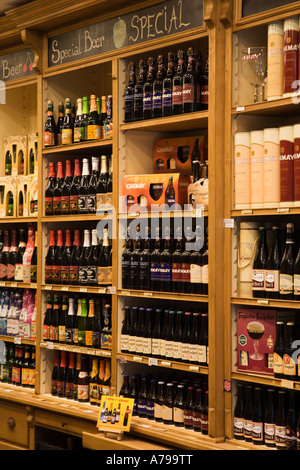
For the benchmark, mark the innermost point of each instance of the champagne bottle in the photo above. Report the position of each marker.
(49, 129)
(67, 126)
(57, 192)
(74, 260)
(92, 187)
(83, 188)
(83, 261)
(85, 118)
(56, 267)
(49, 262)
(49, 190)
(70, 321)
(93, 125)
(65, 190)
(74, 188)
(92, 261)
(78, 128)
(65, 260)
(272, 268)
(82, 320)
(287, 265)
(129, 93)
(102, 182)
(59, 123)
(259, 266)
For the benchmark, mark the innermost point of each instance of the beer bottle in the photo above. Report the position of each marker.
(177, 264)
(279, 350)
(289, 364)
(74, 187)
(83, 188)
(67, 126)
(272, 268)
(194, 340)
(47, 319)
(75, 257)
(151, 400)
(156, 335)
(186, 336)
(177, 100)
(85, 118)
(90, 323)
(93, 124)
(287, 265)
(269, 424)
(92, 261)
(129, 93)
(82, 320)
(186, 263)
(148, 90)
(135, 264)
(83, 381)
(126, 257)
(70, 376)
(139, 331)
(92, 187)
(49, 190)
(70, 322)
(177, 344)
(169, 339)
(147, 333)
(197, 410)
(144, 268)
(158, 88)
(106, 330)
(257, 418)
(59, 124)
(76, 375)
(57, 191)
(132, 330)
(62, 320)
(100, 380)
(158, 405)
(49, 129)
(238, 420)
(204, 414)
(134, 395)
(298, 432)
(204, 90)
(189, 86)
(83, 260)
(167, 108)
(78, 129)
(163, 334)
(125, 389)
(178, 410)
(138, 92)
(142, 399)
(248, 413)
(291, 424)
(195, 260)
(61, 380)
(54, 374)
(168, 405)
(155, 263)
(166, 265)
(188, 409)
(103, 115)
(259, 266)
(204, 266)
(125, 331)
(280, 422)
(93, 382)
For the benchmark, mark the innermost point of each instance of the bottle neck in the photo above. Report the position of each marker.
(91, 308)
(85, 105)
(86, 240)
(85, 167)
(68, 238)
(60, 172)
(76, 238)
(103, 165)
(68, 169)
(52, 238)
(79, 108)
(77, 170)
(59, 238)
(51, 173)
(94, 238)
(93, 104)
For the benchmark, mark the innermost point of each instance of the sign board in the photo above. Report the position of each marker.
(163, 19)
(115, 414)
(253, 7)
(16, 65)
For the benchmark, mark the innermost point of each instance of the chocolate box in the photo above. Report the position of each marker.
(256, 336)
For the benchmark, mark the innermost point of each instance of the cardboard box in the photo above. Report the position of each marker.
(176, 155)
(23, 193)
(8, 184)
(151, 190)
(17, 146)
(256, 336)
(32, 151)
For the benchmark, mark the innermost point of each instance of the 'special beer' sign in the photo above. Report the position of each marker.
(163, 19)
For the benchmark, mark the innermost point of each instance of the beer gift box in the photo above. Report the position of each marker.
(256, 336)
(150, 190)
(177, 154)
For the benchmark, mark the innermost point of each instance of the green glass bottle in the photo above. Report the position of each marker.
(82, 322)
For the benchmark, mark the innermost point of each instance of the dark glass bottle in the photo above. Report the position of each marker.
(291, 423)
(132, 329)
(204, 414)
(280, 421)
(83, 381)
(47, 318)
(197, 410)
(77, 128)
(156, 335)
(92, 260)
(49, 262)
(65, 190)
(158, 405)
(257, 418)
(248, 413)
(49, 190)
(83, 188)
(259, 266)
(186, 263)
(59, 124)
(61, 379)
(139, 92)
(129, 93)
(177, 345)
(74, 187)
(204, 90)
(62, 320)
(155, 263)
(167, 106)
(135, 264)
(178, 410)
(289, 365)
(148, 90)
(195, 263)
(67, 126)
(125, 331)
(139, 331)
(70, 320)
(145, 263)
(177, 99)
(54, 326)
(186, 335)
(56, 267)
(238, 416)
(83, 261)
(188, 409)
(49, 129)
(166, 265)
(19, 258)
(85, 117)
(105, 260)
(273, 267)
(134, 395)
(164, 333)
(102, 182)
(70, 376)
(189, 85)
(75, 257)
(90, 324)
(279, 350)
(57, 192)
(12, 257)
(205, 266)
(177, 265)
(142, 399)
(168, 404)
(170, 196)
(147, 333)
(194, 339)
(287, 265)
(151, 400)
(269, 419)
(158, 88)
(126, 256)
(65, 259)
(54, 374)
(92, 187)
(169, 338)
(93, 124)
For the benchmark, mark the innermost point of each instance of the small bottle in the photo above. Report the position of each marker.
(238, 420)
(83, 381)
(280, 421)
(93, 124)
(269, 419)
(188, 409)
(67, 126)
(178, 410)
(168, 405)
(49, 129)
(129, 93)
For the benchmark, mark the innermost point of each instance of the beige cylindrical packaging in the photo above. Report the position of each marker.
(257, 169)
(290, 55)
(247, 247)
(286, 141)
(271, 168)
(275, 60)
(296, 133)
(242, 170)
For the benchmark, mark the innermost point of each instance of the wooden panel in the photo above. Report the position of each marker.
(14, 426)
(100, 442)
(62, 422)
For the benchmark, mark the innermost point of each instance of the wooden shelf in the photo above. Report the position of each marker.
(74, 218)
(169, 364)
(145, 214)
(280, 107)
(76, 349)
(18, 340)
(18, 285)
(163, 295)
(264, 211)
(77, 147)
(17, 220)
(79, 289)
(272, 303)
(178, 123)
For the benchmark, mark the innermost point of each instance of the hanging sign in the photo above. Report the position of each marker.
(16, 65)
(115, 414)
(163, 19)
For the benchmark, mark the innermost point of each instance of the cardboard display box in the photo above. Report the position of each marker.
(17, 147)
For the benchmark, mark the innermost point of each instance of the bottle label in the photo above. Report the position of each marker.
(155, 347)
(157, 99)
(272, 280)
(10, 272)
(88, 338)
(131, 344)
(257, 432)
(19, 272)
(196, 274)
(146, 346)
(48, 206)
(73, 204)
(49, 138)
(177, 95)
(167, 98)
(238, 426)
(269, 430)
(193, 353)
(61, 333)
(188, 418)
(188, 92)
(82, 203)
(258, 279)
(167, 413)
(65, 204)
(78, 134)
(92, 274)
(204, 274)
(297, 284)
(48, 273)
(165, 272)
(247, 429)
(104, 275)
(204, 94)
(91, 202)
(73, 274)
(82, 275)
(177, 352)
(157, 411)
(46, 335)
(196, 420)
(289, 365)
(277, 364)
(185, 272)
(32, 377)
(56, 204)
(178, 415)
(176, 272)
(69, 335)
(169, 349)
(290, 437)
(55, 274)
(204, 423)
(286, 284)
(66, 136)
(147, 101)
(139, 345)
(155, 271)
(202, 354)
(280, 436)
(124, 342)
(185, 351)
(83, 392)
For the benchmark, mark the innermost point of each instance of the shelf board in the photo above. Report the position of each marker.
(75, 217)
(279, 107)
(18, 285)
(178, 123)
(265, 380)
(265, 211)
(80, 289)
(163, 295)
(273, 303)
(169, 364)
(76, 349)
(18, 340)
(77, 147)
(145, 214)
(17, 220)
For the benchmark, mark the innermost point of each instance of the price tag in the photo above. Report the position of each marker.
(17, 340)
(102, 290)
(247, 211)
(83, 289)
(50, 345)
(137, 358)
(14, 284)
(125, 292)
(263, 302)
(194, 368)
(287, 383)
(153, 361)
(2, 283)
(148, 294)
(65, 288)
(48, 287)
(229, 223)
(166, 363)
(112, 289)
(240, 108)
(283, 210)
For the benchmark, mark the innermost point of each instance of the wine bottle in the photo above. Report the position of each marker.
(272, 268)
(47, 318)
(57, 192)
(189, 87)
(70, 320)
(195, 260)
(93, 125)
(49, 129)
(76, 375)
(4, 255)
(33, 262)
(169, 339)
(49, 262)
(259, 266)
(102, 182)
(83, 261)
(59, 124)
(83, 188)
(204, 90)
(132, 330)
(74, 260)
(65, 190)
(78, 128)
(67, 126)
(92, 187)
(158, 88)
(287, 265)
(139, 92)
(186, 263)
(108, 121)
(194, 339)
(74, 188)
(92, 261)
(188, 409)
(55, 270)
(109, 187)
(147, 333)
(177, 99)
(148, 90)
(49, 190)
(129, 93)
(65, 259)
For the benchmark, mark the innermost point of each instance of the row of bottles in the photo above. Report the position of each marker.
(19, 365)
(285, 356)
(173, 335)
(265, 415)
(164, 88)
(276, 272)
(168, 264)
(18, 308)
(20, 158)
(182, 403)
(76, 376)
(78, 262)
(18, 255)
(91, 120)
(78, 321)
(80, 189)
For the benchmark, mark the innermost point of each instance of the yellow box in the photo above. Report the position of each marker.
(15, 147)
(8, 187)
(33, 196)
(23, 195)
(32, 151)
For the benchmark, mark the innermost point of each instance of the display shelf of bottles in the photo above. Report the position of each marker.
(163, 295)
(76, 148)
(170, 364)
